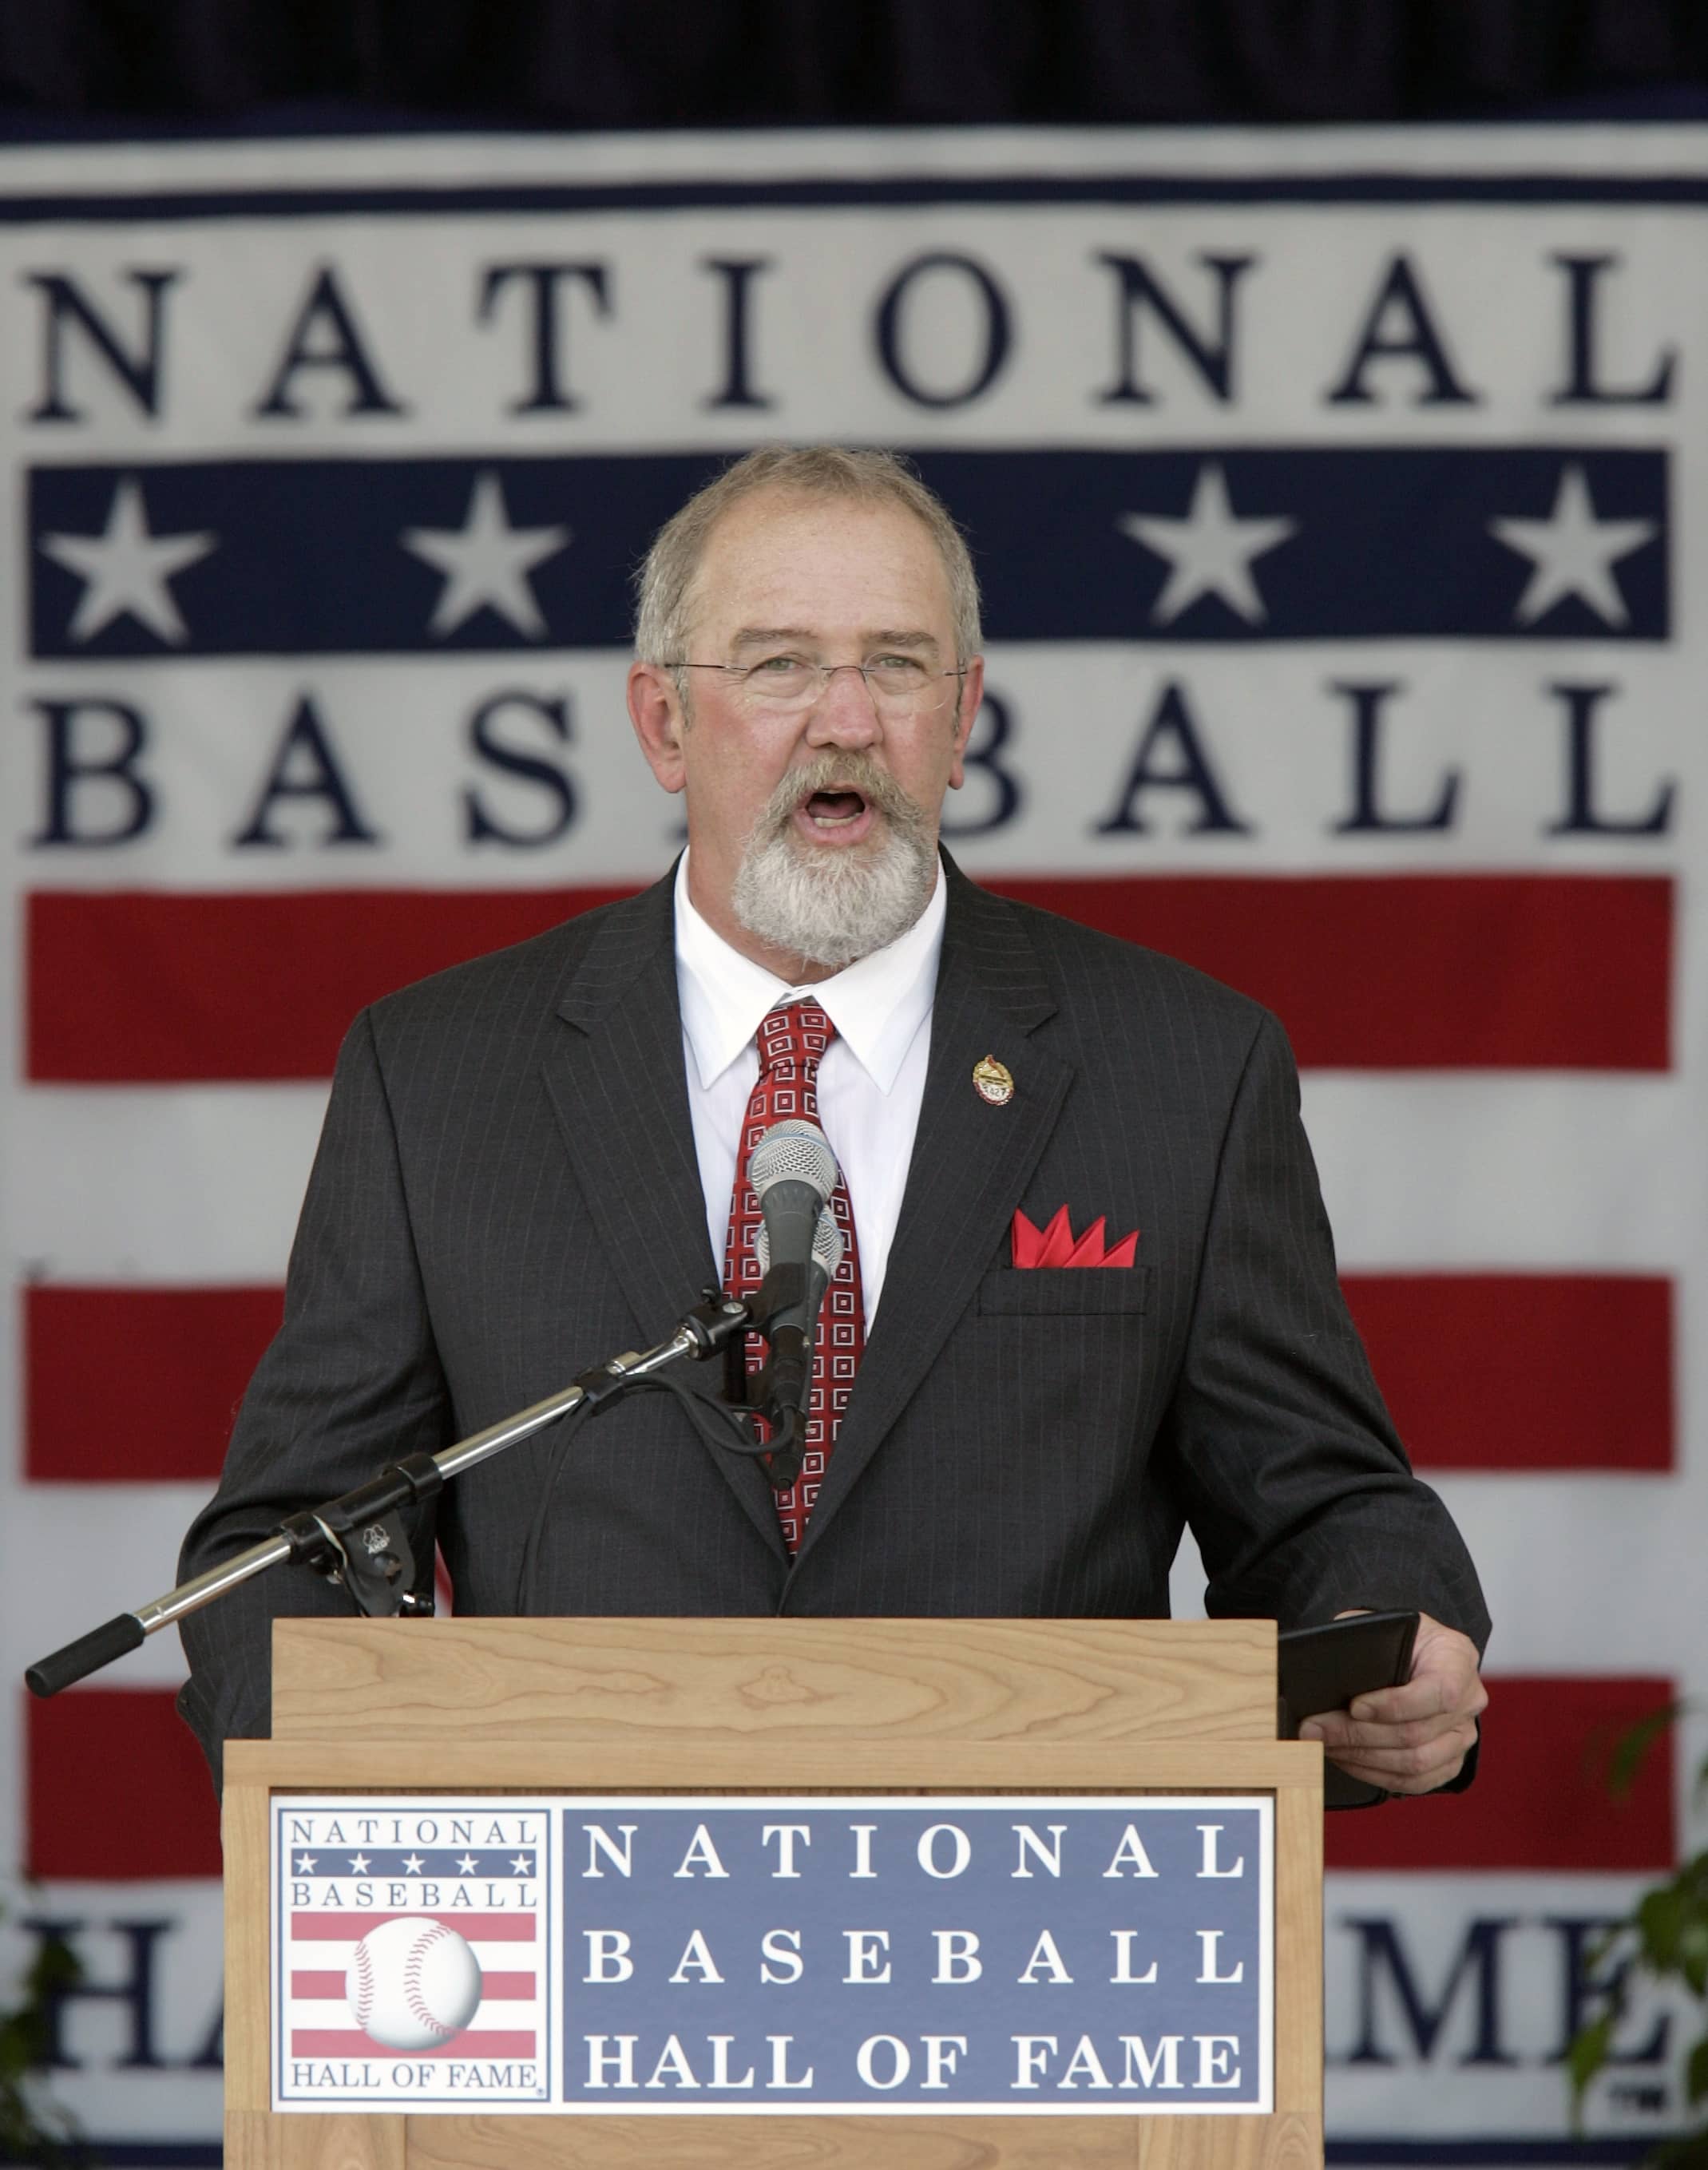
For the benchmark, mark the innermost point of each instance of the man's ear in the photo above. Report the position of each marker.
(655, 710)
(966, 716)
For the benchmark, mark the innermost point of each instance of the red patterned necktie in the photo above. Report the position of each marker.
(792, 1041)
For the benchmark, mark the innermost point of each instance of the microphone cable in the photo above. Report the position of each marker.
(733, 1435)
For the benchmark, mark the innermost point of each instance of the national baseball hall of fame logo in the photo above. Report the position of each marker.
(411, 1952)
(677, 1955)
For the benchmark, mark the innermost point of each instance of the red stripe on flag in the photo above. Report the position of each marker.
(1541, 1799)
(137, 1385)
(343, 1928)
(1481, 1371)
(116, 1789)
(1416, 972)
(473, 2042)
(164, 987)
(1386, 972)
(1523, 1370)
(505, 1988)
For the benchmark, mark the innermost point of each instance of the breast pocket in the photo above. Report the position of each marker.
(1065, 1291)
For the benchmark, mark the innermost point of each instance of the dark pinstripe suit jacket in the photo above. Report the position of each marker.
(506, 1190)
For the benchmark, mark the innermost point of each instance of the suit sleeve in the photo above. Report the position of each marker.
(351, 1380)
(1288, 1464)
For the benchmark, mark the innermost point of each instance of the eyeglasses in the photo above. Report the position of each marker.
(778, 685)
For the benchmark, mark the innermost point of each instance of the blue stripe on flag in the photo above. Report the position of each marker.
(310, 556)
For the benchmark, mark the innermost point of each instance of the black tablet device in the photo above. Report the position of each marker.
(1324, 1668)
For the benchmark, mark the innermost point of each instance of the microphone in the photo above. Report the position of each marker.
(785, 1386)
(793, 1172)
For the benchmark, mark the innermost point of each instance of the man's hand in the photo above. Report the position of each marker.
(1412, 1739)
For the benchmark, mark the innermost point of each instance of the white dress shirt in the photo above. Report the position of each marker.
(870, 1083)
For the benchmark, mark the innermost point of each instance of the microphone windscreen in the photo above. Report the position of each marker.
(827, 1245)
(794, 1150)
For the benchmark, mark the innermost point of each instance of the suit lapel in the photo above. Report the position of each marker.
(971, 1164)
(614, 1072)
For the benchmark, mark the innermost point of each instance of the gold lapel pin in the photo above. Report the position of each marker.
(993, 1082)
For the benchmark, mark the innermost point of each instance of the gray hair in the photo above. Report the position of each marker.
(666, 579)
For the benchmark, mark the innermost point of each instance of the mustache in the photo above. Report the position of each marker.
(830, 771)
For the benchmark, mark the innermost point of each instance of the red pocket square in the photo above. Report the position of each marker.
(1054, 1244)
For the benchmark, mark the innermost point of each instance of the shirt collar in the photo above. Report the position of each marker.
(876, 1004)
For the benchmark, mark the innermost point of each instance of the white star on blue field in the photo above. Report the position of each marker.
(1209, 552)
(126, 571)
(1573, 554)
(486, 562)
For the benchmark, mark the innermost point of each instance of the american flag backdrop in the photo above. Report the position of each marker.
(1341, 504)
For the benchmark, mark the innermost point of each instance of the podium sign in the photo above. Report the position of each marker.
(558, 1894)
(829, 1954)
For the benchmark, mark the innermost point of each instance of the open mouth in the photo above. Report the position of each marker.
(836, 808)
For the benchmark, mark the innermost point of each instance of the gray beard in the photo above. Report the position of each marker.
(833, 907)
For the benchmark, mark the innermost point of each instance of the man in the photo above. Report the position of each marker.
(536, 1159)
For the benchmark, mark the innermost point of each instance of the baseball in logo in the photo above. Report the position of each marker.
(412, 1983)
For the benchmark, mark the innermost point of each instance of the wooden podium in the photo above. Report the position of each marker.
(765, 1705)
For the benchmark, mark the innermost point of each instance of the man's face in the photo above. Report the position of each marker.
(828, 581)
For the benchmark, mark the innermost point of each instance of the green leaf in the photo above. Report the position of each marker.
(1662, 1917)
(1630, 1750)
(1697, 2073)
(1614, 1946)
(1588, 2052)
(33, 2127)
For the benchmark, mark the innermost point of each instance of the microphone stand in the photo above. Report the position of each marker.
(358, 1539)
